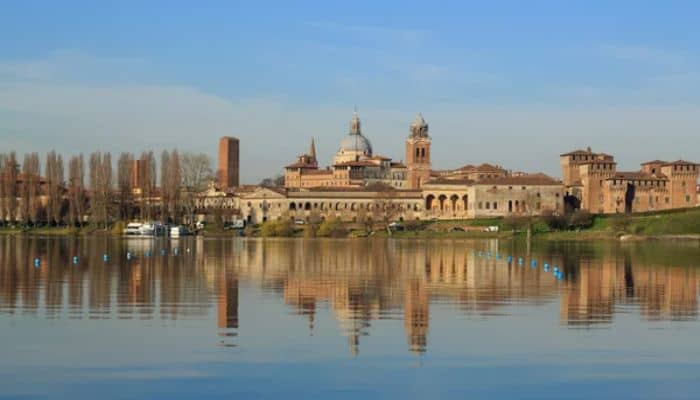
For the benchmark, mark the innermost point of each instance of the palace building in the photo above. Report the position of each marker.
(593, 183)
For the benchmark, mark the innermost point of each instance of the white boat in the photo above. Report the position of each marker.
(177, 231)
(152, 229)
(133, 228)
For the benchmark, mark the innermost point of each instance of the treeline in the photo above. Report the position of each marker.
(94, 192)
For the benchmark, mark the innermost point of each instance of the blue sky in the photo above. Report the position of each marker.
(513, 83)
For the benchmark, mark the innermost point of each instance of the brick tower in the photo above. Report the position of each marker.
(418, 153)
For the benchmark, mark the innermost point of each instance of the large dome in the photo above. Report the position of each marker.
(355, 143)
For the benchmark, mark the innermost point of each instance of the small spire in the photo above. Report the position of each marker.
(312, 152)
(355, 124)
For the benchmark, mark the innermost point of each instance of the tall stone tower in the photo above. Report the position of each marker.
(228, 170)
(418, 153)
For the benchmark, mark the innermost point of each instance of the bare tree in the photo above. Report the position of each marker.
(76, 189)
(3, 159)
(30, 204)
(196, 172)
(174, 183)
(9, 178)
(54, 184)
(384, 208)
(100, 188)
(125, 195)
(147, 178)
(165, 189)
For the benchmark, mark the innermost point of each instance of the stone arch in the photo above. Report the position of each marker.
(429, 201)
(292, 206)
(453, 202)
(441, 199)
(465, 202)
(307, 206)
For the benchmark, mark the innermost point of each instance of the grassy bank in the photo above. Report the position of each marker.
(53, 231)
(666, 224)
(646, 225)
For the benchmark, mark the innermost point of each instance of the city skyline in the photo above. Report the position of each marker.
(494, 83)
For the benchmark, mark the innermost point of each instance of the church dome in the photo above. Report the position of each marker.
(355, 143)
(353, 146)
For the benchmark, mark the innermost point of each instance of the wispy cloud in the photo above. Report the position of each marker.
(375, 33)
(71, 115)
(645, 54)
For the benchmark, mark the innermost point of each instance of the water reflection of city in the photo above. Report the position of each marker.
(359, 281)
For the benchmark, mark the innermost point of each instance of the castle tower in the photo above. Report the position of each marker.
(228, 162)
(418, 153)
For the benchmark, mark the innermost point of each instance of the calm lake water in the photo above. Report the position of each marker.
(237, 318)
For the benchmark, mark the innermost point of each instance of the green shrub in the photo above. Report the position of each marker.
(580, 219)
(332, 227)
(118, 228)
(277, 228)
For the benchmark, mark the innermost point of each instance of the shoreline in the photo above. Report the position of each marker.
(584, 235)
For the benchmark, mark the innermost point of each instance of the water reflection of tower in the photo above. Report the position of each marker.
(416, 316)
(227, 307)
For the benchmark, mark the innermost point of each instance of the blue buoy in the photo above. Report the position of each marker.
(520, 260)
(148, 253)
(533, 263)
(37, 262)
(498, 256)
(128, 256)
(546, 268)
(175, 251)
(546, 265)
(75, 259)
(105, 258)
(162, 252)
(510, 259)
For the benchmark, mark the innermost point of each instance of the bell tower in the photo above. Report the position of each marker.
(418, 153)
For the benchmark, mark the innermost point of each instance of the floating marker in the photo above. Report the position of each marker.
(188, 249)
(520, 260)
(75, 259)
(498, 256)
(148, 253)
(129, 256)
(546, 268)
(533, 263)
(162, 252)
(105, 257)
(546, 265)
(175, 251)
(510, 259)
(37, 262)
